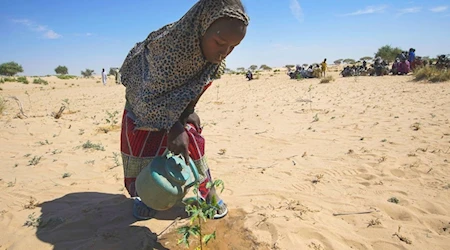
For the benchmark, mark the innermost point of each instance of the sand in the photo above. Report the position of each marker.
(298, 174)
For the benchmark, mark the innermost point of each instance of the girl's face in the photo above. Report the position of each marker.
(221, 38)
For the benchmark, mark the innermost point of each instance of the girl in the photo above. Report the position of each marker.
(165, 75)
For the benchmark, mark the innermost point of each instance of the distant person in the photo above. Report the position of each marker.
(412, 58)
(104, 77)
(324, 67)
(249, 75)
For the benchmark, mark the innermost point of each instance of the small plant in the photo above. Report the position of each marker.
(89, 144)
(12, 184)
(66, 175)
(32, 203)
(318, 179)
(56, 151)
(40, 81)
(373, 222)
(33, 221)
(415, 126)
(116, 160)
(34, 161)
(22, 79)
(394, 200)
(46, 142)
(327, 79)
(91, 162)
(112, 117)
(66, 103)
(316, 118)
(200, 212)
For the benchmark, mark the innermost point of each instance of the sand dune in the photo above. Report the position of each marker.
(306, 165)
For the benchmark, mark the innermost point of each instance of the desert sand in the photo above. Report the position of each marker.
(305, 165)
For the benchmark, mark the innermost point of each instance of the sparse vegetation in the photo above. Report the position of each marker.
(431, 74)
(66, 77)
(327, 79)
(394, 200)
(90, 145)
(40, 81)
(34, 161)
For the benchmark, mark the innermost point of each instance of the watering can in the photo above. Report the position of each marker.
(166, 180)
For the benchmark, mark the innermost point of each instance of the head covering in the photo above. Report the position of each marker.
(166, 71)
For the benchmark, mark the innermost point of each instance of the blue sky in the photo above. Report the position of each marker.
(42, 34)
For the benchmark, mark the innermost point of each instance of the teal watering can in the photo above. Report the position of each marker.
(166, 181)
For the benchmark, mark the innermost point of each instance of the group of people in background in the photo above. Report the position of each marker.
(404, 63)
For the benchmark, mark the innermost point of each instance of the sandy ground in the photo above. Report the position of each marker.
(298, 174)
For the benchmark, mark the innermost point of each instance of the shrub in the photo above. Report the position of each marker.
(40, 81)
(9, 79)
(431, 74)
(327, 79)
(23, 79)
(66, 77)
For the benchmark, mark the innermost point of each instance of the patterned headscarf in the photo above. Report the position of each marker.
(166, 71)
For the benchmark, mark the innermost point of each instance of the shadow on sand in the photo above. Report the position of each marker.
(91, 220)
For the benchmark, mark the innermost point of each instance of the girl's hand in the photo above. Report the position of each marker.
(178, 141)
(195, 120)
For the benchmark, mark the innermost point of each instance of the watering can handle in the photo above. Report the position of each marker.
(191, 165)
(194, 171)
